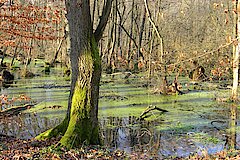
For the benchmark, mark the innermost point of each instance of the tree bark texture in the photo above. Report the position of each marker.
(86, 71)
(81, 123)
(236, 52)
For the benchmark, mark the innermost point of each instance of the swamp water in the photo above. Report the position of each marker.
(194, 122)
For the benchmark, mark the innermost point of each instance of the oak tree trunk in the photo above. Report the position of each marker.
(86, 72)
(81, 123)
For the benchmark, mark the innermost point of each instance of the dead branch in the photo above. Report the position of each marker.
(176, 87)
(149, 109)
(15, 110)
(103, 20)
(128, 34)
(205, 53)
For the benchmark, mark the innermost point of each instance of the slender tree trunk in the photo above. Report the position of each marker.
(140, 54)
(129, 56)
(15, 53)
(59, 47)
(3, 55)
(109, 45)
(236, 52)
(114, 33)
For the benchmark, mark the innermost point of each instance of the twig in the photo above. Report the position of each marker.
(204, 54)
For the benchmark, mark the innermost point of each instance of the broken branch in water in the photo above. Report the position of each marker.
(15, 110)
(149, 109)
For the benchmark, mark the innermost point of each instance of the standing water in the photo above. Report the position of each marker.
(194, 123)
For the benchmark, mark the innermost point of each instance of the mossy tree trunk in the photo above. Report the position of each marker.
(81, 123)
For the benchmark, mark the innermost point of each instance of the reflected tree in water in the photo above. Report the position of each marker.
(231, 139)
(129, 133)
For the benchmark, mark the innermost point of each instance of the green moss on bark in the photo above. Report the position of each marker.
(82, 126)
(79, 105)
(80, 132)
(95, 54)
(80, 129)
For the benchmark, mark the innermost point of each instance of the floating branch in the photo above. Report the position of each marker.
(149, 109)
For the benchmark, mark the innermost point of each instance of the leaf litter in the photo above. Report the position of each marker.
(12, 148)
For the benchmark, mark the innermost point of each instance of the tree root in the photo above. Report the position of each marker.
(59, 130)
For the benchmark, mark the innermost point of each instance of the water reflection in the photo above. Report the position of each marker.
(232, 134)
(125, 133)
(191, 125)
(132, 135)
(26, 126)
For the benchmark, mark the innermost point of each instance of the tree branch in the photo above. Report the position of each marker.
(103, 20)
(124, 29)
(149, 109)
(1, 4)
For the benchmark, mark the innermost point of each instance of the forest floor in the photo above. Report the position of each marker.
(11, 148)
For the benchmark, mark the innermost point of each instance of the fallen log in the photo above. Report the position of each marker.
(149, 109)
(15, 110)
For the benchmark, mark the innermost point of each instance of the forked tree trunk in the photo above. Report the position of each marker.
(86, 72)
(81, 123)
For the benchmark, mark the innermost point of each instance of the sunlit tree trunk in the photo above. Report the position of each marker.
(81, 123)
(236, 52)
(86, 71)
(129, 56)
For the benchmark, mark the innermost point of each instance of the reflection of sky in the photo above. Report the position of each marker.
(39, 89)
(171, 143)
(125, 134)
(122, 137)
(210, 148)
(26, 126)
